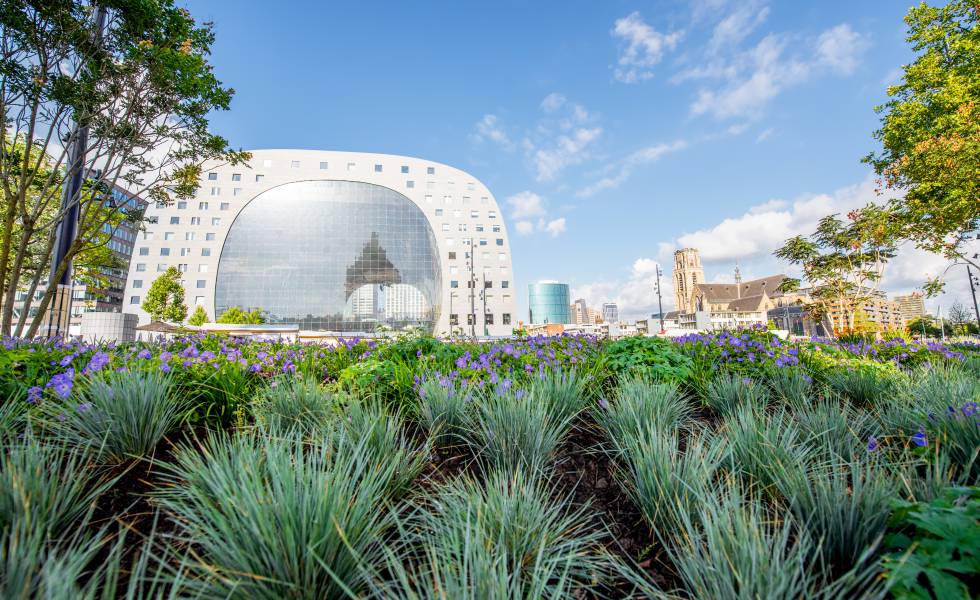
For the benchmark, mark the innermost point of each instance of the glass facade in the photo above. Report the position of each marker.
(333, 256)
(548, 302)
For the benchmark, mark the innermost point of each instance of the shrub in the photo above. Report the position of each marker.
(863, 385)
(120, 415)
(729, 392)
(442, 408)
(764, 448)
(641, 405)
(935, 546)
(273, 518)
(835, 429)
(650, 357)
(294, 404)
(563, 392)
(511, 538)
(792, 386)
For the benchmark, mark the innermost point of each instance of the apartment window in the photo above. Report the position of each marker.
(134, 299)
(462, 226)
(209, 237)
(236, 176)
(430, 185)
(428, 198)
(487, 284)
(198, 299)
(479, 228)
(294, 164)
(168, 235)
(505, 318)
(496, 228)
(504, 284)
(483, 199)
(236, 192)
(488, 318)
(439, 212)
(175, 220)
(404, 168)
(457, 213)
(452, 256)
(202, 205)
(466, 199)
(454, 319)
(185, 251)
(453, 270)
(181, 205)
(164, 251)
(153, 220)
(492, 214)
(161, 267)
(224, 206)
(474, 214)
(410, 184)
(447, 199)
(470, 320)
(267, 163)
(200, 283)
(483, 241)
(500, 241)
(182, 267)
(137, 283)
(202, 268)
(430, 170)
(195, 220)
(215, 221)
(144, 251)
(259, 178)
(377, 168)
(351, 166)
(485, 256)
(215, 191)
(205, 252)
(453, 284)
(140, 267)
(323, 165)
(445, 226)
(501, 256)
(212, 176)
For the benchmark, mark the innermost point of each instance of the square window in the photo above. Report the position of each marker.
(137, 283)
(453, 270)
(215, 191)
(259, 178)
(474, 214)
(500, 241)
(323, 165)
(209, 237)
(202, 268)
(470, 320)
(168, 235)
(505, 318)
(175, 220)
(377, 168)
(479, 228)
(202, 205)
(182, 268)
(153, 220)
(454, 319)
(198, 299)
(445, 226)
(462, 226)
(428, 198)
(501, 256)
(236, 192)
(439, 212)
(453, 283)
(161, 267)
(195, 220)
(483, 241)
(505, 284)
(224, 206)
(452, 256)
(410, 184)
(492, 214)
(404, 168)
(294, 164)
(488, 318)
(144, 251)
(181, 205)
(236, 176)
(496, 228)
(200, 284)
(140, 267)
(351, 166)
(430, 170)
(212, 176)
(164, 251)
(134, 299)
(205, 252)
(457, 213)
(215, 221)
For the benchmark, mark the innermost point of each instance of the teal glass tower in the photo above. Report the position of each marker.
(548, 302)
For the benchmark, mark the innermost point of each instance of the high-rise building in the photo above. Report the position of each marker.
(336, 241)
(610, 312)
(912, 306)
(579, 312)
(548, 303)
(688, 273)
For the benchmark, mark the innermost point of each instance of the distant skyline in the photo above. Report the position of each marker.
(611, 133)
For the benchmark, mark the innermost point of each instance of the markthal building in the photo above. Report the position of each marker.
(335, 242)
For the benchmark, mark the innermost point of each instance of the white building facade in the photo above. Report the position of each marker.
(336, 241)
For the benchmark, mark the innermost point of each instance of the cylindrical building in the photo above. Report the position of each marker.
(548, 302)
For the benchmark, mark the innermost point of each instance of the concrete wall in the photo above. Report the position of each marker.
(108, 327)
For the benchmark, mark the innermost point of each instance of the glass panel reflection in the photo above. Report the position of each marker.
(332, 255)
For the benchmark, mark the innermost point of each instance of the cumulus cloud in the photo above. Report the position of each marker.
(567, 150)
(555, 227)
(634, 292)
(489, 128)
(529, 211)
(625, 168)
(840, 47)
(525, 204)
(641, 47)
(552, 102)
(736, 26)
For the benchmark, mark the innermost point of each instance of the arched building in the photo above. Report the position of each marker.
(336, 241)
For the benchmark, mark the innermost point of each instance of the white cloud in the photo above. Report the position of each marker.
(524, 227)
(764, 135)
(641, 157)
(568, 149)
(552, 102)
(635, 293)
(489, 128)
(555, 227)
(734, 28)
(642, 47)
(840, 48)
(525, 204)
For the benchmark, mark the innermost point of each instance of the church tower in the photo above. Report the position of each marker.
(687, 273)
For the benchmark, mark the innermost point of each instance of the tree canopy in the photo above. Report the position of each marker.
(164, 300)
(199, 316)
(236, 316)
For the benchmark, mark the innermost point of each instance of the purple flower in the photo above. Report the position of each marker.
(920, 439)
(165, 368)
(66, 360)
(98, 360)
(872, 444)
(84, 407)
(34, 394)
(145, 354)
(62, 383)
(165, 357)
(603, 404)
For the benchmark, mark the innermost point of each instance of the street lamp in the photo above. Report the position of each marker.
(660, 306)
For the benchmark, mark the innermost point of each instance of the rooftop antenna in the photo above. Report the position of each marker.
(738, 281)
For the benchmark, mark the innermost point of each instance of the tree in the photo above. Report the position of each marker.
(843, 262)
(165, 299)
(960, 317)
(236, 316)
(141, 84)
(200, 317)
(930, 134)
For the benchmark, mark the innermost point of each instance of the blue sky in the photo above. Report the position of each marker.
(610, 132)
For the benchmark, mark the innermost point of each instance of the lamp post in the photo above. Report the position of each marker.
(974, 282)
(660, 305)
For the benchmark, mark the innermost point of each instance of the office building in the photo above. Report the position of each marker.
(912, 306)
(342, 242)
(548, 303)
(610, 312)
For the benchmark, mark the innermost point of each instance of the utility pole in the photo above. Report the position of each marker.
(660, 304)
(483, 296)
(472, 290)
(59, 316)
(973, 292)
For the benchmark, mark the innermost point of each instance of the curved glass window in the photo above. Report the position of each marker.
(340, 256)
(548, 303)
